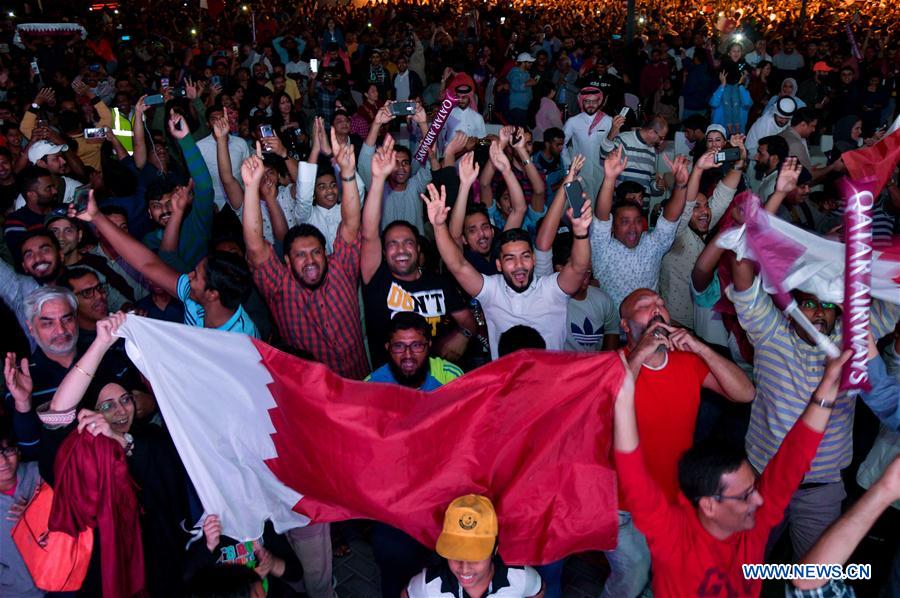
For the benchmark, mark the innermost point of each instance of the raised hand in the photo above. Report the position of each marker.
(344, 155)
(192, 90)
(436, 204)
(90, 212)
(384, 116)
(789, 175)
(220, 126)
(506, 134)
(582, 222)
(18, 382)
(498, 157)
(456, 144)
(468, 170)
(615, 164)
(81, 88)
(106, 328)
(385, 159)
(273, 145)
(178, 127)
(679, 167)
(828, 385)
(707, 160)
(140, 106)
(252, 171)
(95, 423)
(46, 96)
(420, 117)
(182, 197)
(574, 169)
(618, 122)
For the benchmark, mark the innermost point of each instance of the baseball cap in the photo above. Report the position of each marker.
(524, 57)
(822, 67)
(785, 107)
(41, 149)
(717, 128)
(470, 529)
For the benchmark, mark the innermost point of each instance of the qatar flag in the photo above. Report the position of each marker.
(265, 435)
(876, 161)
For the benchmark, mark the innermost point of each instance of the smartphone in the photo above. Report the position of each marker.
(266, 131)
(95, 133)
(624, 111)
(154, 100)
(126, 38)
(34, 67)
(94, 68)
(215, 80)
(164, 81)
(4, 48)
(314, 65)
(616, 36)
(502, 20)
(179, 92)
(80, 200)
(403, 108)
(235, 49)
(575, 197)
(731, 154)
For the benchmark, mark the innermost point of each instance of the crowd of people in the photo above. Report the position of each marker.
(254, 171)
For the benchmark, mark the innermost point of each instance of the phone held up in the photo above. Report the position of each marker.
(575, 197)
(403, 108)
(731, 154)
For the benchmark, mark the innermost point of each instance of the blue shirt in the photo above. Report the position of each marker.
(439, 373)
(194, 313)
(519, 94)
(884, 396)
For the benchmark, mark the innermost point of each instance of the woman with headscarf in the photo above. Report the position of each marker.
(848, 136)
(88, 402)
(788, 89)
(731, 101)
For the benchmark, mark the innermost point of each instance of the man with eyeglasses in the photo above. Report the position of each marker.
(787, 365)
(409, 364)
(399, 556)
(725, 512)
(92, 296)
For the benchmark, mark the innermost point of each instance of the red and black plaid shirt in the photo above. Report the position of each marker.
(326, 321)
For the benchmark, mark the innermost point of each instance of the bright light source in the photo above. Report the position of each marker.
(11, 14)
(116, 11)
(738, 37)
(245, 8)
(193, 32)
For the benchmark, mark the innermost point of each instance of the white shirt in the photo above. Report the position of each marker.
(327, 220)
(438, 582)
(238, 151)
(68, 195)
(589, 145)
(764, 126)
(754, 58)
(297, 68)
(468, 121)
(541, 306)
(286, 200)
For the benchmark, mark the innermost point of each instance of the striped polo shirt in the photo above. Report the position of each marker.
(787, 370)
(641, 161)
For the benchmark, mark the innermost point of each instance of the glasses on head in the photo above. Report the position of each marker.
(416, 347)
(108, 405)
(813, 304)
(9, 451)
(745, 497)
(89, 292)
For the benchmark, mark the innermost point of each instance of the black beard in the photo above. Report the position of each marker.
(515, 288)
(314, 286)
(50, 277)
(416, 380)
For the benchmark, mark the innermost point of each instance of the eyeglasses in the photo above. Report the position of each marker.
(108, 405)
(745, 497)
(813, 304)
(417, 348)
(9, 451)
(88, 293)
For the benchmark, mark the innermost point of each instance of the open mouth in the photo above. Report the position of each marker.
(41, 268)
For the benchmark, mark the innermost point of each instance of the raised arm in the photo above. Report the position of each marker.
(72, 388)
(705, 266)
(345, 156)
(572, 274)
(233, 190)
(454, 147)
(382, 117)
(258, 249)
(197, 227)
(538, 185)
(704, 163)
(839, 541)
(139, 141)
(383, 163)
(546, 234)
(784, 184)
(675, 205)
(467, 276)
(518, 207)
(614, 165)
(468, 174)
(181, 201)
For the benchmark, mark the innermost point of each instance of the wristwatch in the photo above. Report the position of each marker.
(35, 106)
(349, 179)
(822, 402)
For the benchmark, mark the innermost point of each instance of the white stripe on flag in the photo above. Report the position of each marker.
(211, 389)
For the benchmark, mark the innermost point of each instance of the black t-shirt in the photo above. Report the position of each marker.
(433, 296)
(8, 195)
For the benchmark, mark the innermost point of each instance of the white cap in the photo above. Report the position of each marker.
(524, 57)
(785, 107)
(717, 128)
(42, 149)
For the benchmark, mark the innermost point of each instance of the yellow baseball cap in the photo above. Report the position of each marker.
(470, 529)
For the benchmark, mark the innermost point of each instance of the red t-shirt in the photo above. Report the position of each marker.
(666, 402)
(686, 559)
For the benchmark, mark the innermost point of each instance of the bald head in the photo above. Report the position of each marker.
(636, 312)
